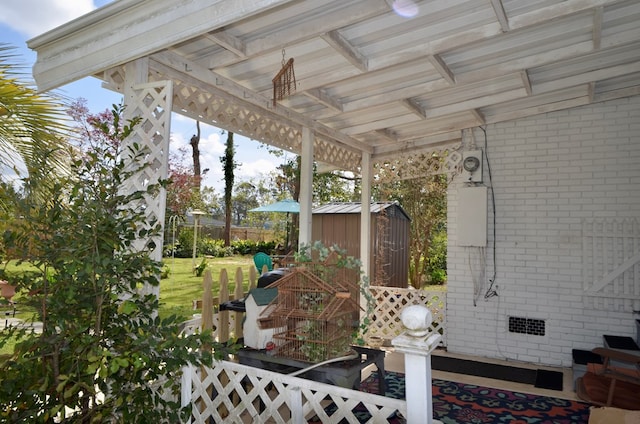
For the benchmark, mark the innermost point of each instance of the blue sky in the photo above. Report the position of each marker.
(21, 20)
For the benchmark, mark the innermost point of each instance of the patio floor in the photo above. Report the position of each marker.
(394, 361)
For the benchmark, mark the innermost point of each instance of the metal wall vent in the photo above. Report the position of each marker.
(520, 325)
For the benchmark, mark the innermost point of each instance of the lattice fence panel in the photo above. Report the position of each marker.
(611, 264)
(235, 393)
(389, 304)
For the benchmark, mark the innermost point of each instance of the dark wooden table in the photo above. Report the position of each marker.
(343, 373)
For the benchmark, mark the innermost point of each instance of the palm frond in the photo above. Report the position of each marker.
(32, 125)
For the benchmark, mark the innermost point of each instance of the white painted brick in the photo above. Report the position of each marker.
(549, 173)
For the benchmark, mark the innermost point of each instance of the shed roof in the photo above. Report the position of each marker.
(356, 207)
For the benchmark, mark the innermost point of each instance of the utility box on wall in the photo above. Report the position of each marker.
(472, 216)
(339, 224)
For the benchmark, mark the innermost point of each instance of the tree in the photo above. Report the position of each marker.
(245, 198)
(87, 134)
(425, 201)
(228, 166)
(103, 354)
(31, 126)
(335, 187)
(195, 153)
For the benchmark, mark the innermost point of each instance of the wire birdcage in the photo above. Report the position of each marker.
(316, 313)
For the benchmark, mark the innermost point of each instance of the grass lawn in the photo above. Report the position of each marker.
(177, 292)
(182, 287)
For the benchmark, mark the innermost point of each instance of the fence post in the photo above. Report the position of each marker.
(417, 343)
(223, 316)
(239, 294)
(207, 301)
(253, 278)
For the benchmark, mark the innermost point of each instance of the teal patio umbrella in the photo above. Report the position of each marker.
(284, 206)
(287, 205)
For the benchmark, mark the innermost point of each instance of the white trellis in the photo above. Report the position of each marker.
(611, 258)
(391, 300)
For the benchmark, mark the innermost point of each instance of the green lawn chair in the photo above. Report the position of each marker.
(263, 260)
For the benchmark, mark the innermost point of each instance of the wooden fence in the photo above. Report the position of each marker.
(385, 322)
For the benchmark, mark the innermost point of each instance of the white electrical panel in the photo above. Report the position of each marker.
(472, 216)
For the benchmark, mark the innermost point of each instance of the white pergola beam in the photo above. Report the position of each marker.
(342, 46)
(128, 29)
(498, 9)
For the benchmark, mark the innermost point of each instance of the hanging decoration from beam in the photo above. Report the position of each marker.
(284, 83)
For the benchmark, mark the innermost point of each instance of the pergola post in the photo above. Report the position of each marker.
(365, 214)
(306, 186)
(152, 102)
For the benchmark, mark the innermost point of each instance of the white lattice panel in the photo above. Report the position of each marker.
(433, 162)
(152, 103)
(223, 111)
(389, 304)
(234, 393)
(611, 258)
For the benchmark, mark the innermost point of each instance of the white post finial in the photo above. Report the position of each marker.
(417, 343)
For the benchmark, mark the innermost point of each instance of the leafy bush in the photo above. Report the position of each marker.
(251, 247)
(437, 261)
(103, 354)
(215, 247)
(200, 268)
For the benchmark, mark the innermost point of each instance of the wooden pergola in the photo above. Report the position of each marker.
(377, 82)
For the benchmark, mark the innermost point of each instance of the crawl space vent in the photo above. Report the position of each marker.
(534, 327)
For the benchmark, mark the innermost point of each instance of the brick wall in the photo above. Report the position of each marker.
(549, 173)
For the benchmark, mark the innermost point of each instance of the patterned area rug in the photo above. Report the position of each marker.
(458, 403)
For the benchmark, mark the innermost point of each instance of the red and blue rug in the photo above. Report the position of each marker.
(457, 403)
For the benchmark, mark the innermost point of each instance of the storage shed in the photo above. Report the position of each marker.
(339, 224)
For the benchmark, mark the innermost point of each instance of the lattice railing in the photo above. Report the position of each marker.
(234, 393)
(389, 304)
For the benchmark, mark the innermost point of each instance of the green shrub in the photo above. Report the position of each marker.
(251, 247)
(213, 247)
(103, 353)
(200, 268)
(437, 260)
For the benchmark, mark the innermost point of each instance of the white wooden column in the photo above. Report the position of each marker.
(153, 103)
(306, 186)
(365, 214)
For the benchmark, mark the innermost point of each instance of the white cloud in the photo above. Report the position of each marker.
(257, 168)
(34, 17)
(212, 144)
